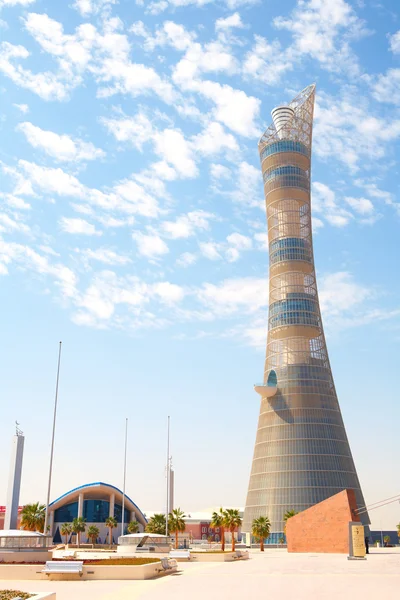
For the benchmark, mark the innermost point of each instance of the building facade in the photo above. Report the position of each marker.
(302, 455)
(95, 502)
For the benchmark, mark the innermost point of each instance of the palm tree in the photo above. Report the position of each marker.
(32, 517)
(232, 520)
(111, 522)
(78, 527)
(66, 530)
(217, 520)
(176, 523)
(93, 533)
(156, 524)
(261, 528)
(133, 527)
(288, 515)
(386, 540)
(398, 530)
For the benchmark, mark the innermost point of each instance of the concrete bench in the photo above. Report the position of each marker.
(169, 564)
(180, 554)
(63, 566)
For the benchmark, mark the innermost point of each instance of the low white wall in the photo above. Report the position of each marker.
(29, 556)
(27, 572)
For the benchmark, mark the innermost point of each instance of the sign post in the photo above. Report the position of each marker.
(356, 541)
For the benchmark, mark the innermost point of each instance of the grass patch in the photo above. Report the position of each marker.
(10, 594)
(104, 562)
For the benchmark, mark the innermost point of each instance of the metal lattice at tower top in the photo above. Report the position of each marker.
(302, 455)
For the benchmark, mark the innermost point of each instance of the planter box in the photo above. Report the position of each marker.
(28, 556)
(90, 572)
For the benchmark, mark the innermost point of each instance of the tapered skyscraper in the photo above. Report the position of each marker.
(302, 455)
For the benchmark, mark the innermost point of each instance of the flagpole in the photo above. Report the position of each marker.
(166, 516)
(123, 492)
(46, 516)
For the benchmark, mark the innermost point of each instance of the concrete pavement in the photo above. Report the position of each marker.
(274, 573)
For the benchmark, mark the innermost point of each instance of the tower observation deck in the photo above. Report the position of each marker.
(302, 455)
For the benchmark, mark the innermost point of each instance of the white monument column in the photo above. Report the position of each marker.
(112, 504)
(14, 480)
(80, 505)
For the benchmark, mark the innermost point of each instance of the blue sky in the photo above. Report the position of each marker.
(132, 228)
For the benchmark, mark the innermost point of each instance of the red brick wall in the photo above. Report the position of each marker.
(324, 527)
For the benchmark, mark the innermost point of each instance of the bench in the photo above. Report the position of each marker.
(169, 564)
(180, 554)
(63, 566)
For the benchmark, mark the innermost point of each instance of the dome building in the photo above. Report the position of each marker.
(95, 502)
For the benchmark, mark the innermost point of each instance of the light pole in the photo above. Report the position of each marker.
(46, 516)
(123, 492)
(166, 516)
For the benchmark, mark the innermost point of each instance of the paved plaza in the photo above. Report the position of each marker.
(274, 574)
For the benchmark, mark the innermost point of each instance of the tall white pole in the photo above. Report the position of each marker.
(167, 513)
(46, 517)
(123, 491)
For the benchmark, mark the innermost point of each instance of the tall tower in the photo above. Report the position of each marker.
(14, 480)
(302, 455)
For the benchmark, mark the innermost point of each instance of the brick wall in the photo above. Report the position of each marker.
(324, 527)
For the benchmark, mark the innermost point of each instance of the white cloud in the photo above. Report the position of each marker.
(219, 172)
(244, 294)
(15, 202)
(24, 108)
(339, 292)
(61, 147)
(104, 255)
(105, 55)
(186, 225)
(169, 293)
(155, 7)
(394, 42)
(325, 205)
(12, 225)
(150, 245)
(233, 20)
(267, 61)
(248, 186)
(137, 130)
(262, 239)
(210, 250)
(78, 226)
(323, 30)
(386, 88)
(47, 85)
(233, 107)
(92, 7)
(16, 2)
(186, 259)
(346, 129)
(236, 244)
(172, 146)
(213, 139)
(30, 260)
(363, 206)
(127, 196)
(171, 34)
(239, 241)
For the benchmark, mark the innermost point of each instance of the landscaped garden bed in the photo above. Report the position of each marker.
(10, 594)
